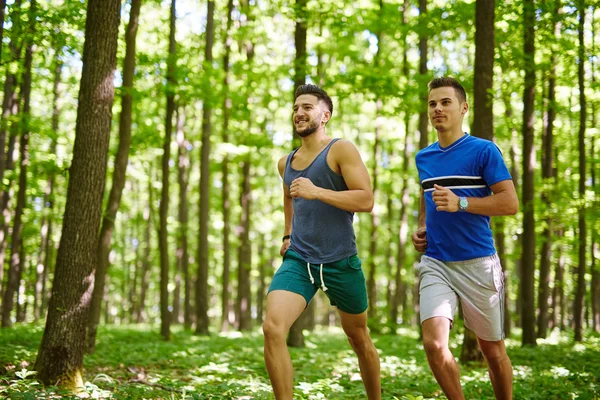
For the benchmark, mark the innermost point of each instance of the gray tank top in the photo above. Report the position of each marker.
(321, 233)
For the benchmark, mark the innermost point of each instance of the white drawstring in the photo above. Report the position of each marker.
(322, 281)
(312, 280)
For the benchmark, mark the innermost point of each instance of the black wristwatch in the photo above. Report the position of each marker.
(283, 239)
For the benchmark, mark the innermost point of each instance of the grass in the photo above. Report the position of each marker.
(133, 362)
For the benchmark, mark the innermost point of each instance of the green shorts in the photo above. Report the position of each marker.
(343, 281)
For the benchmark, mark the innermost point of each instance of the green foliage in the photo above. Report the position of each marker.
(135, 363)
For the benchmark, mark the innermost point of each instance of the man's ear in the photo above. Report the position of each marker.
(326, 117)
(465, 108)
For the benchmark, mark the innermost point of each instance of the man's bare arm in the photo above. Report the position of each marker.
(419, 237)
(288, 209)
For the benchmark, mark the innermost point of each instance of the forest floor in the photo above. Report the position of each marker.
(132, 362)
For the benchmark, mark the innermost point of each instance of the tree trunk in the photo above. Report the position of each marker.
(146, 261)
(118, 180)
(2, 16)
(60, 358)
(261, 293)
(202, 321)
(423, 116)
(16, 264)
(183, 257)
(226, 205)
(483, 82)
(10, 108)
(371, 281)
(243, 303)
(547, 173)
(528, 259)
(295, 337)
(582, 235)
(402, 237)
(483, 121)
(46, 231)
(300, 61)
(163, 244)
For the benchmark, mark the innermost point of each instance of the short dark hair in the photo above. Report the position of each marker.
(446, 81)
(315, 91)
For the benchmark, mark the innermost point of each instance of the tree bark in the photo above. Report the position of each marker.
(483, 121)
(371, 281)
(226, 205)
(423, 116)
(140, 315)
(10, 108)
(118, 180)
(547, 174)
(582, 234)
(300, 61)
(183, 257)
(295, 337)
(163, 244)
(60, 358)
(16, 263)
(202, 321)
(244, 299)
(528, 259)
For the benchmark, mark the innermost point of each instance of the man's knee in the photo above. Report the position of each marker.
(493, 351)
(273, 330)
(359, 338)
(434, 346)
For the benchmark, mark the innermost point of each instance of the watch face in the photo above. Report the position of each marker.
(463, 203)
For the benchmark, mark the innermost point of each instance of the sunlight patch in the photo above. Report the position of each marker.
(322, 385)
(522, 371)
(212, 367)
(559, 371)
(579, 348)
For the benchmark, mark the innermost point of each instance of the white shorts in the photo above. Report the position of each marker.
(478, 283)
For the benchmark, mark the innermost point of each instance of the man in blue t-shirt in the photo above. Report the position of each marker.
(464, 181)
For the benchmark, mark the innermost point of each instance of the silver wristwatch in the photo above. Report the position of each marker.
(463, 203)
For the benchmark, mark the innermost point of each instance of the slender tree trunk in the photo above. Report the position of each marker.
(423, 116)
(547, 174)
(528, 260)
(183, 257)
(594, 249)
(163, 245)
(227, 104)
(483, 82)
(261, 289)
(10, 108)
(60, 358)
(202, 321)
(243, 303)
(295, 337)
(300, 61)
(371, 281)
(146, 261)
(118, 180)
(483, 121)
(582, 234)
(16, 264)
(2, 16)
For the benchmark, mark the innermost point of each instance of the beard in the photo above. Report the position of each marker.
(309, 130)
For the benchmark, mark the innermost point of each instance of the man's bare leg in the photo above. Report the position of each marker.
(436, 331)
(283, 308)
(355, 327)
(499, 367)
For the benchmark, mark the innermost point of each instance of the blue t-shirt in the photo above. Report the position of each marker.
(468, 167)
